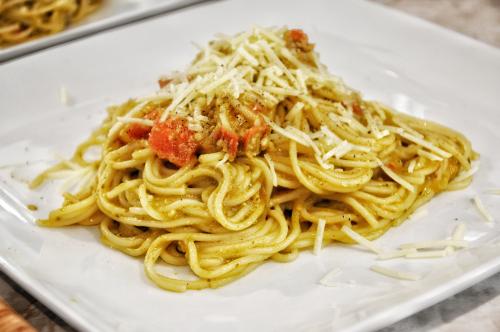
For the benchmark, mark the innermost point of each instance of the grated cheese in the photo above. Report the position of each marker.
(459, 232)
(339, 151)
(428, 155)
(224, 78)
(396, 177)
(350, 121)
(308, 100)
(326, 280)
(145, 122)
(435, 244)
(330, 136)
(426, 144)
(407, 128)
(310, 143)
(300, 78)
(297, 108)
(431, 254)
(286, 133)
(318, 240)
(305, 137)
(275, 59)
(247, 56)
(63, 95)
(358, 238)
(411, 166)
(280, 91)
(395, 254)
(270, 163)
(482, 209)
(493, 191)
(420, 141)
(419, 213)
(322, 162)
(374, 127)
(157, 97)
(403, 275)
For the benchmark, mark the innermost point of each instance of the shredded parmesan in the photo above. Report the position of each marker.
(430, 253)
(420, 213)
(305, 138)
(326, 280)
(411, 166)
(287, 133)
(270, 163)
(301, 138)
(63, 95)
(396, 177)
(482, 209)
(459, 232)
(395, 254)
(358, 238)
(426, 144)
(395, 273)
(247, 56)
(318, 240)
(429, 155)
(435, 244)
(339, 151)
(493, 191)
(145, 122)
(374, 127)
(297, 108)
(330, 136)
(420, 141)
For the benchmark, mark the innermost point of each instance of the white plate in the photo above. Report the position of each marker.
(405, 62)
(112, 13)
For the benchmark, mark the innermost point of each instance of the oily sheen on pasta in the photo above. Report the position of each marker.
(242, 157)
(22, 20)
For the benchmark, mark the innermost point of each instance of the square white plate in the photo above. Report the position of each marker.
(407, 63)
(112, 13)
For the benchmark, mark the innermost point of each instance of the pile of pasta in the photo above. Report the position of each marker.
(22, 20)
(253, 153)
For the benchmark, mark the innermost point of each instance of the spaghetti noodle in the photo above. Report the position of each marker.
(22, 20)
(239, 159)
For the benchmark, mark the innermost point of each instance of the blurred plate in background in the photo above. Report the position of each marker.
(112, 13)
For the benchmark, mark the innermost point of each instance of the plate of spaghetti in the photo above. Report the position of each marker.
(285, 174)
(29, 25)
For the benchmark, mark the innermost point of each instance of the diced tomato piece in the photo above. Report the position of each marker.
(395, 166)
(297, 35)
(162, 82)
(174, 141)
(230, 140)
(356, 109)
(259, 108)
(140, 131)
(297, 40)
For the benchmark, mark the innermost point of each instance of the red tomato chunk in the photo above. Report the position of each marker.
(172, 140)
